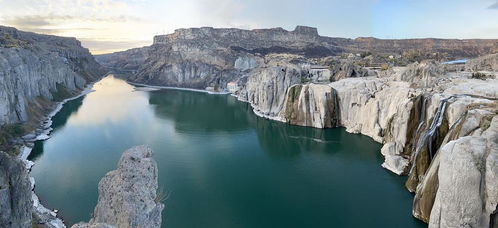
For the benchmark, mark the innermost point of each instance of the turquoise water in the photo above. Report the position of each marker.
(221, 165)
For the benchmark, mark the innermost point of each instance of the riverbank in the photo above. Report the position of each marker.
(178, 88)
(214, 151)
(43, 133)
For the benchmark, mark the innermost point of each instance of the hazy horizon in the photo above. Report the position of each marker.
(106, 26)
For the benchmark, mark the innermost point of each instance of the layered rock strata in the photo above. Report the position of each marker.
(209, 57)
(36, 72)
(39, 69)
(425, 117)
(418, 121)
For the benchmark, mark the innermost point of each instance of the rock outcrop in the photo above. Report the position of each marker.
(265, 88)
(467, 195)
(312, 105)
(127, 61)
(36, 70)
(414, 111)
(422, 74)
(484, 63)
(210, 57)
(128, 195)
(16, 206)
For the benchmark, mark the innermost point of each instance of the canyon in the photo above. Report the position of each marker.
(421, 112)
(438, 123)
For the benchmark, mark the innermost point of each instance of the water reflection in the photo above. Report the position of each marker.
(193, 112)
(224, 166)
(112, 101)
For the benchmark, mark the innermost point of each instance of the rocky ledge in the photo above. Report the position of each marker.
(211, 57)
(128, 195)
(436, 126)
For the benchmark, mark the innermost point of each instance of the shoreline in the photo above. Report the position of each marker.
(39, 134)
(177, 88)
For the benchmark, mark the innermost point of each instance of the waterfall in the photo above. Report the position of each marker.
(336, 108)
(428, 137)
(422, 110)
(422, 113)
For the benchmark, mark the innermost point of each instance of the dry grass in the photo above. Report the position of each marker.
(162, 195)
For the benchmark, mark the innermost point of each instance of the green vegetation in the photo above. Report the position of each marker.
(61, 93)
(7, 135)
(305, 79)
(294, 92)
(412, 56)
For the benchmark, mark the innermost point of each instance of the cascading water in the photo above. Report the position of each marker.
(427, 138)
(422, 114)
(336, 109)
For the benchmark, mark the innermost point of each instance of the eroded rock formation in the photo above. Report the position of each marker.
(16, 206)
(128, 195)
(38, 69)
(484, 63)
(425, 117)
(209, 57)
(416, 112)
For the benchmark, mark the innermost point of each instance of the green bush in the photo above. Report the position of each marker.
(305, 79)
(7, 135)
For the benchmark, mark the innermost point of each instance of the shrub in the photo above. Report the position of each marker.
(412, 56)
(7, 135)
(305, 79)
(384, 67)
(479, 75)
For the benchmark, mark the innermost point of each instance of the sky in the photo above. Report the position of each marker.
(106, 26)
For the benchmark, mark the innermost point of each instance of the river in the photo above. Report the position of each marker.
(219, 164)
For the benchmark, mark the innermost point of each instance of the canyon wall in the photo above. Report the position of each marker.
(438, 129)
(422, 114)
(211, 57)
(36, 70)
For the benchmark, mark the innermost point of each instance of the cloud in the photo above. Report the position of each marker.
(108, 46)
(50, 19)
(494, 6)
(102, 25)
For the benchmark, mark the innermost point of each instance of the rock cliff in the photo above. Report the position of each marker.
(211, 57)
(437, 127)
(128, 195)
(36, 70)
(16, 205)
